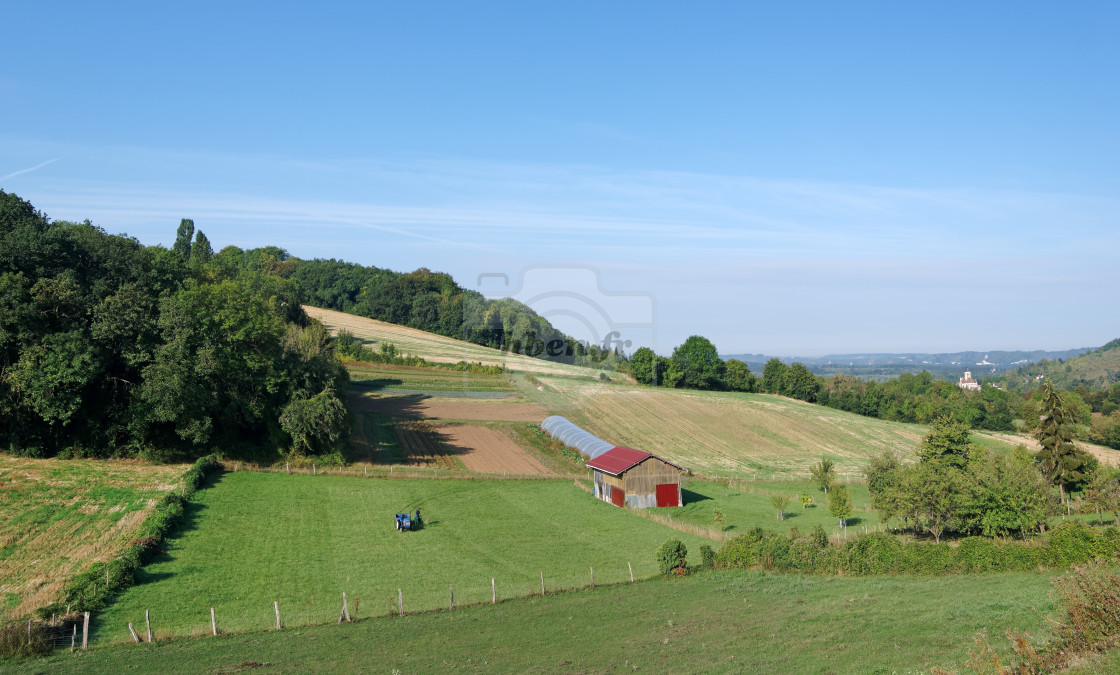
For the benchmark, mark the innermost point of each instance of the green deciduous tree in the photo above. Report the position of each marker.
(823, 473)
(699, 364)
(737, 376)
(840, 504)
(642, 363)
(801, 383)
(773, 376)
(201, 251)
(947, 442)
(315, 424)
(182, 245)
(780, 504)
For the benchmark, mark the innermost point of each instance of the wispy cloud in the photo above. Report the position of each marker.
(29, 169)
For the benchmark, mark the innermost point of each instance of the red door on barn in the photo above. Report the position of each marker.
(668, 495)
(618, 495)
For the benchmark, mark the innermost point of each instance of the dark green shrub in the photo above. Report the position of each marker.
(979, 554)
(672, 557)
(1070, 543)
(707, 556)
(874, 553)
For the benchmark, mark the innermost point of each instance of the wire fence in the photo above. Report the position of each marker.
(199, 617)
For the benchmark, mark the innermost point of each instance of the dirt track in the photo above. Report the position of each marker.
(453, 409)
(488, 451)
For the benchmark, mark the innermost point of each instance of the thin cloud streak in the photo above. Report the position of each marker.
(29, 169)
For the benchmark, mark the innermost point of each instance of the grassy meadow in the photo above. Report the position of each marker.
(57, 517)
(254, 538)
(712, 622)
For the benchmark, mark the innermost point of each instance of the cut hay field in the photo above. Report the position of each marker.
(391, 379)
(714, 622)
(728, 434)
(254, 538)
(437, 348)
(57, 517)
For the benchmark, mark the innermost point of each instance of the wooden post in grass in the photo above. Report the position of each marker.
(213, 623)
(135, 637)
(287, 468)
(85, 631)
(74, 637)
(631, 572)
(313, 470)
(400, 603)
(452, 605)
(148, 623)
(276, 606)
(345, 609)
(592, 575)
(493, 592)
(542, 582)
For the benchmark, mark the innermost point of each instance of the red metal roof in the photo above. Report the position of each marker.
(618, 459)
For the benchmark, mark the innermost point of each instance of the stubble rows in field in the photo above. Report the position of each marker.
(730, 434)
(486, 450)
(57, 517)
(436, 348)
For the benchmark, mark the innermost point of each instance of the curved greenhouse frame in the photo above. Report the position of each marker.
(562, 429)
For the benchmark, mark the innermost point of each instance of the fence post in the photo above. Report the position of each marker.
(542, 582)
(631, 572)
(213, 623)
(592, 575)
(74, 637)
(85, 631)
(493, 592)
(135, 637)
(276, 606)
(345, 610)
(287, 468)
(452, 605)
(400, 603)
(148, 623)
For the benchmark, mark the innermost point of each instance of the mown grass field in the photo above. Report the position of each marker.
(746, 504)
(57, 517)
(255, 538)
(725, 433)
(390, 379)
(436, 347)
(713, 622)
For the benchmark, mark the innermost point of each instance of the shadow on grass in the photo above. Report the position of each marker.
(689, 497)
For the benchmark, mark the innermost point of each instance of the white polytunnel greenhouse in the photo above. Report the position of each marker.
(562, 429)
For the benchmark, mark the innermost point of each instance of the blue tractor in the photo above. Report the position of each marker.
(406, 522)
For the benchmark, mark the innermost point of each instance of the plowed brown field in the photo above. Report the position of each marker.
(489, 451)
(424, 445)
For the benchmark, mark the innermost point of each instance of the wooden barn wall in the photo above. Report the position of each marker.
(644, 478)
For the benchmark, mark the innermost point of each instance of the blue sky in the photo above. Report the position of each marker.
(799, 179)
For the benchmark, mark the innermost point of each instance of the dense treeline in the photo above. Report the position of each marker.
(112, 348)
(429, 301)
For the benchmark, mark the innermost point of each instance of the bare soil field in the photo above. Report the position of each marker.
(420, 407)
(57, 517)
(1103, 454)
(728, 434)
(437, 348)
(489, 451)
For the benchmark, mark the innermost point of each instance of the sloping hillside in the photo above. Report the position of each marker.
(436, 348)
(1095, 369)
(728, 434)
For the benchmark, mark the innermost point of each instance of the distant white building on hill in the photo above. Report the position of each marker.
(967, 382)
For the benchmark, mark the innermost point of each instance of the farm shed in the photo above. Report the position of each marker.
(625, 476)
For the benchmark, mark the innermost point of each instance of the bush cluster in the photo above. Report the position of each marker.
(95, 588)
(17, 642)
(1072, 542)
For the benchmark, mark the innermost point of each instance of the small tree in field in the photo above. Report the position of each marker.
(806, 501)
(671, 557)
(718, 514)
(823, 474)
(780, 502)
(840, 504)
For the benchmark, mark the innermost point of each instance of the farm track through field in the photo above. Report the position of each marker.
(489, 451)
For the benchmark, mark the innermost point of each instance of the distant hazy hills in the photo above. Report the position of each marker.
(951, 366)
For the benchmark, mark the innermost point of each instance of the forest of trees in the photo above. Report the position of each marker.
(112, 348)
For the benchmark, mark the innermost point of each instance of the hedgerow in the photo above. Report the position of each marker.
(1070, 543)
(96, 587)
